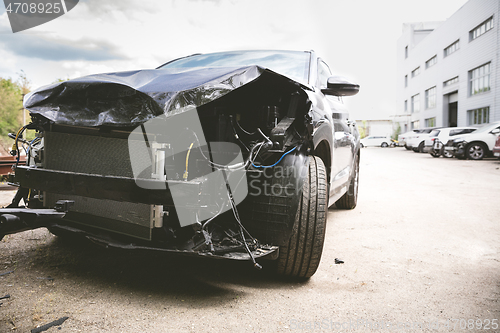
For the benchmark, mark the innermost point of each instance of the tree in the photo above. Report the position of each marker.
(363, 131)
(11, 116)
(396, 132)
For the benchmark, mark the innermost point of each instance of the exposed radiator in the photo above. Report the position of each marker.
(103, 156)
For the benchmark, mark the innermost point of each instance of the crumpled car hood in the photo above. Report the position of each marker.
(134, 97)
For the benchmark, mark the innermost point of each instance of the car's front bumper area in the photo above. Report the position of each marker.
(118, 232)
(456, 149)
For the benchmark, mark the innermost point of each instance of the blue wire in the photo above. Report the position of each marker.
(270, 166)
(29, 145)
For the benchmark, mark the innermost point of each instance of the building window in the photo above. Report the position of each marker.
(450, 81)
(431, 62)
(479, 116)
(406, 81)
(430, 98)
(406, 105)
(479, 79)
(415, 124)
(452, 48)
(430, 122)
(415, 103)
(415, 72)
(406, 51)
(481, 29)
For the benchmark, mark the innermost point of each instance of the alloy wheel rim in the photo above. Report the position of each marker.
(476, 151)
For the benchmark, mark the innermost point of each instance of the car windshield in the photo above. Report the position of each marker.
(486, 128)
(293, 64)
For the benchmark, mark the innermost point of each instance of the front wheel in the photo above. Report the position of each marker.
(384, 145)
(434, 153)
(446, 153)
(301, 256)
(420, 148)
(475, 151)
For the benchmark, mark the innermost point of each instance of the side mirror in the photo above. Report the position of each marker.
(495, 131)
(340, 86)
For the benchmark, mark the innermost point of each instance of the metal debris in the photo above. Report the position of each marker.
(2, 274)
(338, 261)
(45, 327)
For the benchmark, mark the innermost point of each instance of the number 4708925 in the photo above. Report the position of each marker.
(32, 8)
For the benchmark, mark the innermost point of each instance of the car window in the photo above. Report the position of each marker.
(434, 133)
(323, 74)
(486, 128)
(461, 131)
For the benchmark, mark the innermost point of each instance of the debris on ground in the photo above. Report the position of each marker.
(45, 327)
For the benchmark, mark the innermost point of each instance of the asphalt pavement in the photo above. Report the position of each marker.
(420, 253)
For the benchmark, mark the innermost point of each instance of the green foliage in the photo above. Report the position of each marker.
(396, 132)
(362, 130)
(11, 106)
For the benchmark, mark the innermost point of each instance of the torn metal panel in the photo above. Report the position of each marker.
(131, 98)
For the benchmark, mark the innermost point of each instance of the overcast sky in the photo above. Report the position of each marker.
(357, 38)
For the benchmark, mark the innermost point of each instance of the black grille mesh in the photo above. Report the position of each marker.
(103, 156)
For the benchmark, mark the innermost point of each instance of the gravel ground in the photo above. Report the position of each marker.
(421, 248)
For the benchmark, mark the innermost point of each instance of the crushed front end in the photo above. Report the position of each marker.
(177, 172)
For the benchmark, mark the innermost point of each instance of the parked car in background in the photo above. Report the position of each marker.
(376, 141)
(439, 137)
(496, 149)
(476, 145)
(402, 138)
(416, 142)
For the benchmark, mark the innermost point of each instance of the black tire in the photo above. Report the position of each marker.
(475, 151)
(420, 147)
(350, 199)
(361, 145)
(384, 145)
(434, 153)
(446, 153)
(301, 256)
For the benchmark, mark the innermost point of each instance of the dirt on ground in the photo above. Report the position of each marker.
(420, 253)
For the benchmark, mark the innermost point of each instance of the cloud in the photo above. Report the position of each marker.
(109, 9)
(36, 46)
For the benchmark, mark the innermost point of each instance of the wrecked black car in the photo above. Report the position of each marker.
(233, 155)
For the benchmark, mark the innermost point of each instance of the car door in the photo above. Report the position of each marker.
(344, 140)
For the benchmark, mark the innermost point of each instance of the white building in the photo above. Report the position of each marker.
(448, 72)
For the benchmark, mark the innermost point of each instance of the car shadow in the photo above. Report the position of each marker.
(152, 273)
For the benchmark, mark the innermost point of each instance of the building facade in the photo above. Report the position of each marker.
(448, 72)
